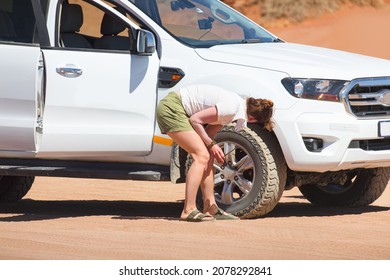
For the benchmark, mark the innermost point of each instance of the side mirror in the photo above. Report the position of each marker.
(146, 44)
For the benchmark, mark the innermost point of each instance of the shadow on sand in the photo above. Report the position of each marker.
(35, 210)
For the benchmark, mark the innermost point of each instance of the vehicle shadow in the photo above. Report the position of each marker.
(301, 207)
(35, 210)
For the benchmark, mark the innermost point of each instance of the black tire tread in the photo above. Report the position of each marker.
(372, 191)
(367, 188)
(14, 188)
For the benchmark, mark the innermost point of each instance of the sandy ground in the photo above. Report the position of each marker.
(100, 219)
(64, 218)
(359, 30)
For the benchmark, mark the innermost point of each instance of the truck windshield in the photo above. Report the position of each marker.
(204, 23)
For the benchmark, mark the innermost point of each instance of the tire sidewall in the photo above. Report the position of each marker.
(260, 171)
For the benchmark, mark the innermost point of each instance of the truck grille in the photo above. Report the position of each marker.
(368, 98)
(371, 145)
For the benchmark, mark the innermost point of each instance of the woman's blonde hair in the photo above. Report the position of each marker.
(261, 110)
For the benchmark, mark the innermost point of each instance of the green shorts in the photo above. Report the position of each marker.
(171, 115)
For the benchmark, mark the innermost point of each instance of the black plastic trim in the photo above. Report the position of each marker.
(81, 169)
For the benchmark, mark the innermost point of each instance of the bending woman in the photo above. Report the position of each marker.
(192, 116)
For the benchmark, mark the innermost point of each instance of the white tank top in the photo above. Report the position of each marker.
(230, 106)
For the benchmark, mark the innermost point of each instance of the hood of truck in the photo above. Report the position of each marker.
(299, 61)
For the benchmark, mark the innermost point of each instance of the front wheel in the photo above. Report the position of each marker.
(247, 184)
(361, 187)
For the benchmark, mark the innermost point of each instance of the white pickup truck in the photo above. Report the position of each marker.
(80, 80)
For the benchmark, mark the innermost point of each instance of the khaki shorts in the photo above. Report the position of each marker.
(171, 116)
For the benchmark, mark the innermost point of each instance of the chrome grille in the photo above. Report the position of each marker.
(367, 98)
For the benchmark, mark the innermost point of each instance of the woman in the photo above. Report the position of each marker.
(191, 117)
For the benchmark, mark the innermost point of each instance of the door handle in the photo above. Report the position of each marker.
(69, 71)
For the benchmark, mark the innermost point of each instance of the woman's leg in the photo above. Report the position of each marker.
(209, 204)
(208, 180)
(191, 142)
(208, 186)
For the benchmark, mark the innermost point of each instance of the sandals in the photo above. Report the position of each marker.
(222, 215)
(219, 214)
(197, 216)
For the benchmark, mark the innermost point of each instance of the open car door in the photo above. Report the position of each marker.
(100, 96)
(21, 79)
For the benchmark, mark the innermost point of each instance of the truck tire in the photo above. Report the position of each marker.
(274, 147)
(362, 187)
(247, 185)
(14, 188)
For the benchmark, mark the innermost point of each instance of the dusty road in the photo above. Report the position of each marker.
(101, 219)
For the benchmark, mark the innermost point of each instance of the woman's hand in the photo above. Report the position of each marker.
(217, 153)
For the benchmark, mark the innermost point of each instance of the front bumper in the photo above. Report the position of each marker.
(347, 142)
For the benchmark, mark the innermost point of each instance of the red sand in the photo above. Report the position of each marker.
(359, 30)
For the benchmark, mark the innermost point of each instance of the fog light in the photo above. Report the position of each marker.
(313, 144)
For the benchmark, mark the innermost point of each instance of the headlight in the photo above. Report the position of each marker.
(328, 90)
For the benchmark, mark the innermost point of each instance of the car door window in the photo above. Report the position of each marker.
(83, 25)
(17, 21)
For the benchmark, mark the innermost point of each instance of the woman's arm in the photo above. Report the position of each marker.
(198, 122)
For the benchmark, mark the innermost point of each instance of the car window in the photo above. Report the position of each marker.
(204, 23)
(17, 21)
(83, 25)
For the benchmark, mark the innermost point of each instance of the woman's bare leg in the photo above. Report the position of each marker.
(208, 180)
(191, 142)
(208, 187)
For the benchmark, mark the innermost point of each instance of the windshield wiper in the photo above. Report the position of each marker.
(249, 41)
